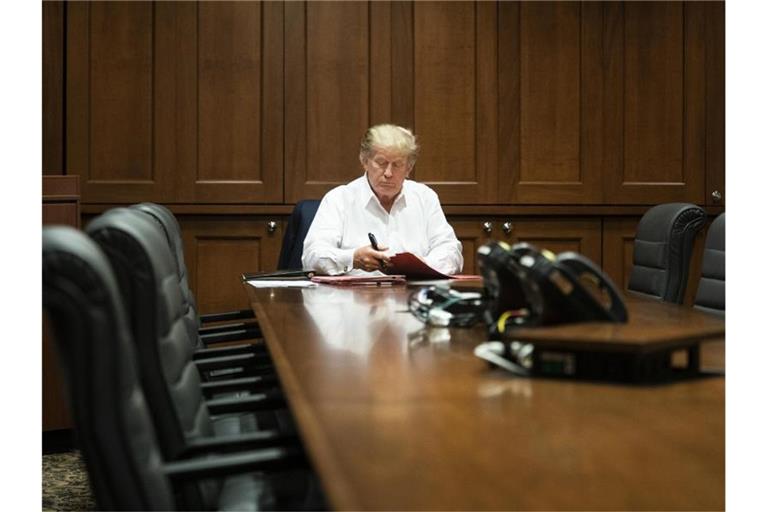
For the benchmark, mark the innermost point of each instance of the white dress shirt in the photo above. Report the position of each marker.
(415, 224)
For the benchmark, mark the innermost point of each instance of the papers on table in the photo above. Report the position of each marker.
(277, 283)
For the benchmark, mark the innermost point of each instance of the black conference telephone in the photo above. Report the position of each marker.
(527, 287)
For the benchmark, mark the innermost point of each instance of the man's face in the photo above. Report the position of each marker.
(386, 172)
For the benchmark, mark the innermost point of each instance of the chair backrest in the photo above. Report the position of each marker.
(663, 247)
(711, 293)
(81, 297)
(293, 241)
(146, 272)
(170, 226)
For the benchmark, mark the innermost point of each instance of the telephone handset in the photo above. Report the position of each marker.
(602, 289)
(526, 286)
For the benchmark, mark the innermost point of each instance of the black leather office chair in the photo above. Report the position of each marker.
(143, 263)
(208, 335)
(118, 439)
(710, 296)
(293, 241)
(663, 247)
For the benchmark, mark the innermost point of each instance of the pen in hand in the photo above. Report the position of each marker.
(374, 243)
(375, 246)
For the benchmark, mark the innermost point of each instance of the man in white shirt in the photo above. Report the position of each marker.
(403, 215)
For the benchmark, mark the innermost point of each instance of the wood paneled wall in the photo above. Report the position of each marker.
(524, 103)
(215, 107)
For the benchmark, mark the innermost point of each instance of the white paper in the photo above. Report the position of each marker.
(268, 283)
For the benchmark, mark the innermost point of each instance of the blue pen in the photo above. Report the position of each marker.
(374, 243)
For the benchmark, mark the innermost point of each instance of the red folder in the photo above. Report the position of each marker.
(412, 267)
(360, 280)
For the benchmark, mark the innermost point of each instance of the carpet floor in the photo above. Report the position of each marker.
(65, 483)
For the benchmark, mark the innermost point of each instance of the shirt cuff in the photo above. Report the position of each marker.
(346, 260)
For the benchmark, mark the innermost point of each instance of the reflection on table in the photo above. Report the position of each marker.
(396, 416)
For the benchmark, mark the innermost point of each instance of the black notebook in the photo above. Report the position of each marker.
(279, 275)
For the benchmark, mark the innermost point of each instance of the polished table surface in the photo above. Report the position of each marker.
(398, 416)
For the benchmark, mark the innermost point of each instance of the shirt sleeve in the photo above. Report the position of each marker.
(444, 253)
(322, 252)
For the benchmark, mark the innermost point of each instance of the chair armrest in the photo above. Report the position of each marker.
(229, 464)
(234, 335)
(252, 384)
(271, 399)
(246, 348)
(253, 362)
(215, 329)
(241, 314)
(239, 443)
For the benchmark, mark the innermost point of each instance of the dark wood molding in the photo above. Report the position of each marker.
(56, 187)
(470, 210)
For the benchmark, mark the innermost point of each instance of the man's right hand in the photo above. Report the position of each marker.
(369, 259)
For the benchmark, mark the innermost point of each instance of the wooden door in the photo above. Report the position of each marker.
(217, 250)
(655, 88)
(551, 95)
(175, 102)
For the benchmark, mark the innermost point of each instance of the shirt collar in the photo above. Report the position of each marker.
(367, 196)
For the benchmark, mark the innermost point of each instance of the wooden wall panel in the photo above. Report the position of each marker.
(53, 87)
(715, 114)
(328, 64)
(542, 103)
(653, 122)
(120, 75)
(550, 108)
(657, 83)
(618, 248)
(61, 195)
(218, 250)
(110, 100)
(176, 102)
(237, 104)
(455, 98)
(550, 91)
(229, 85)
(582, 235)
(471, 235)
(567, 234)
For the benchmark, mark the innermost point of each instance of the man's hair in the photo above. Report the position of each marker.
(392, 138)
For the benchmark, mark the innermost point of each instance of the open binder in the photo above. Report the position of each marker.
(279, 275)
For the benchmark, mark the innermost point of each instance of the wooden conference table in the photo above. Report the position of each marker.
(395, 416)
